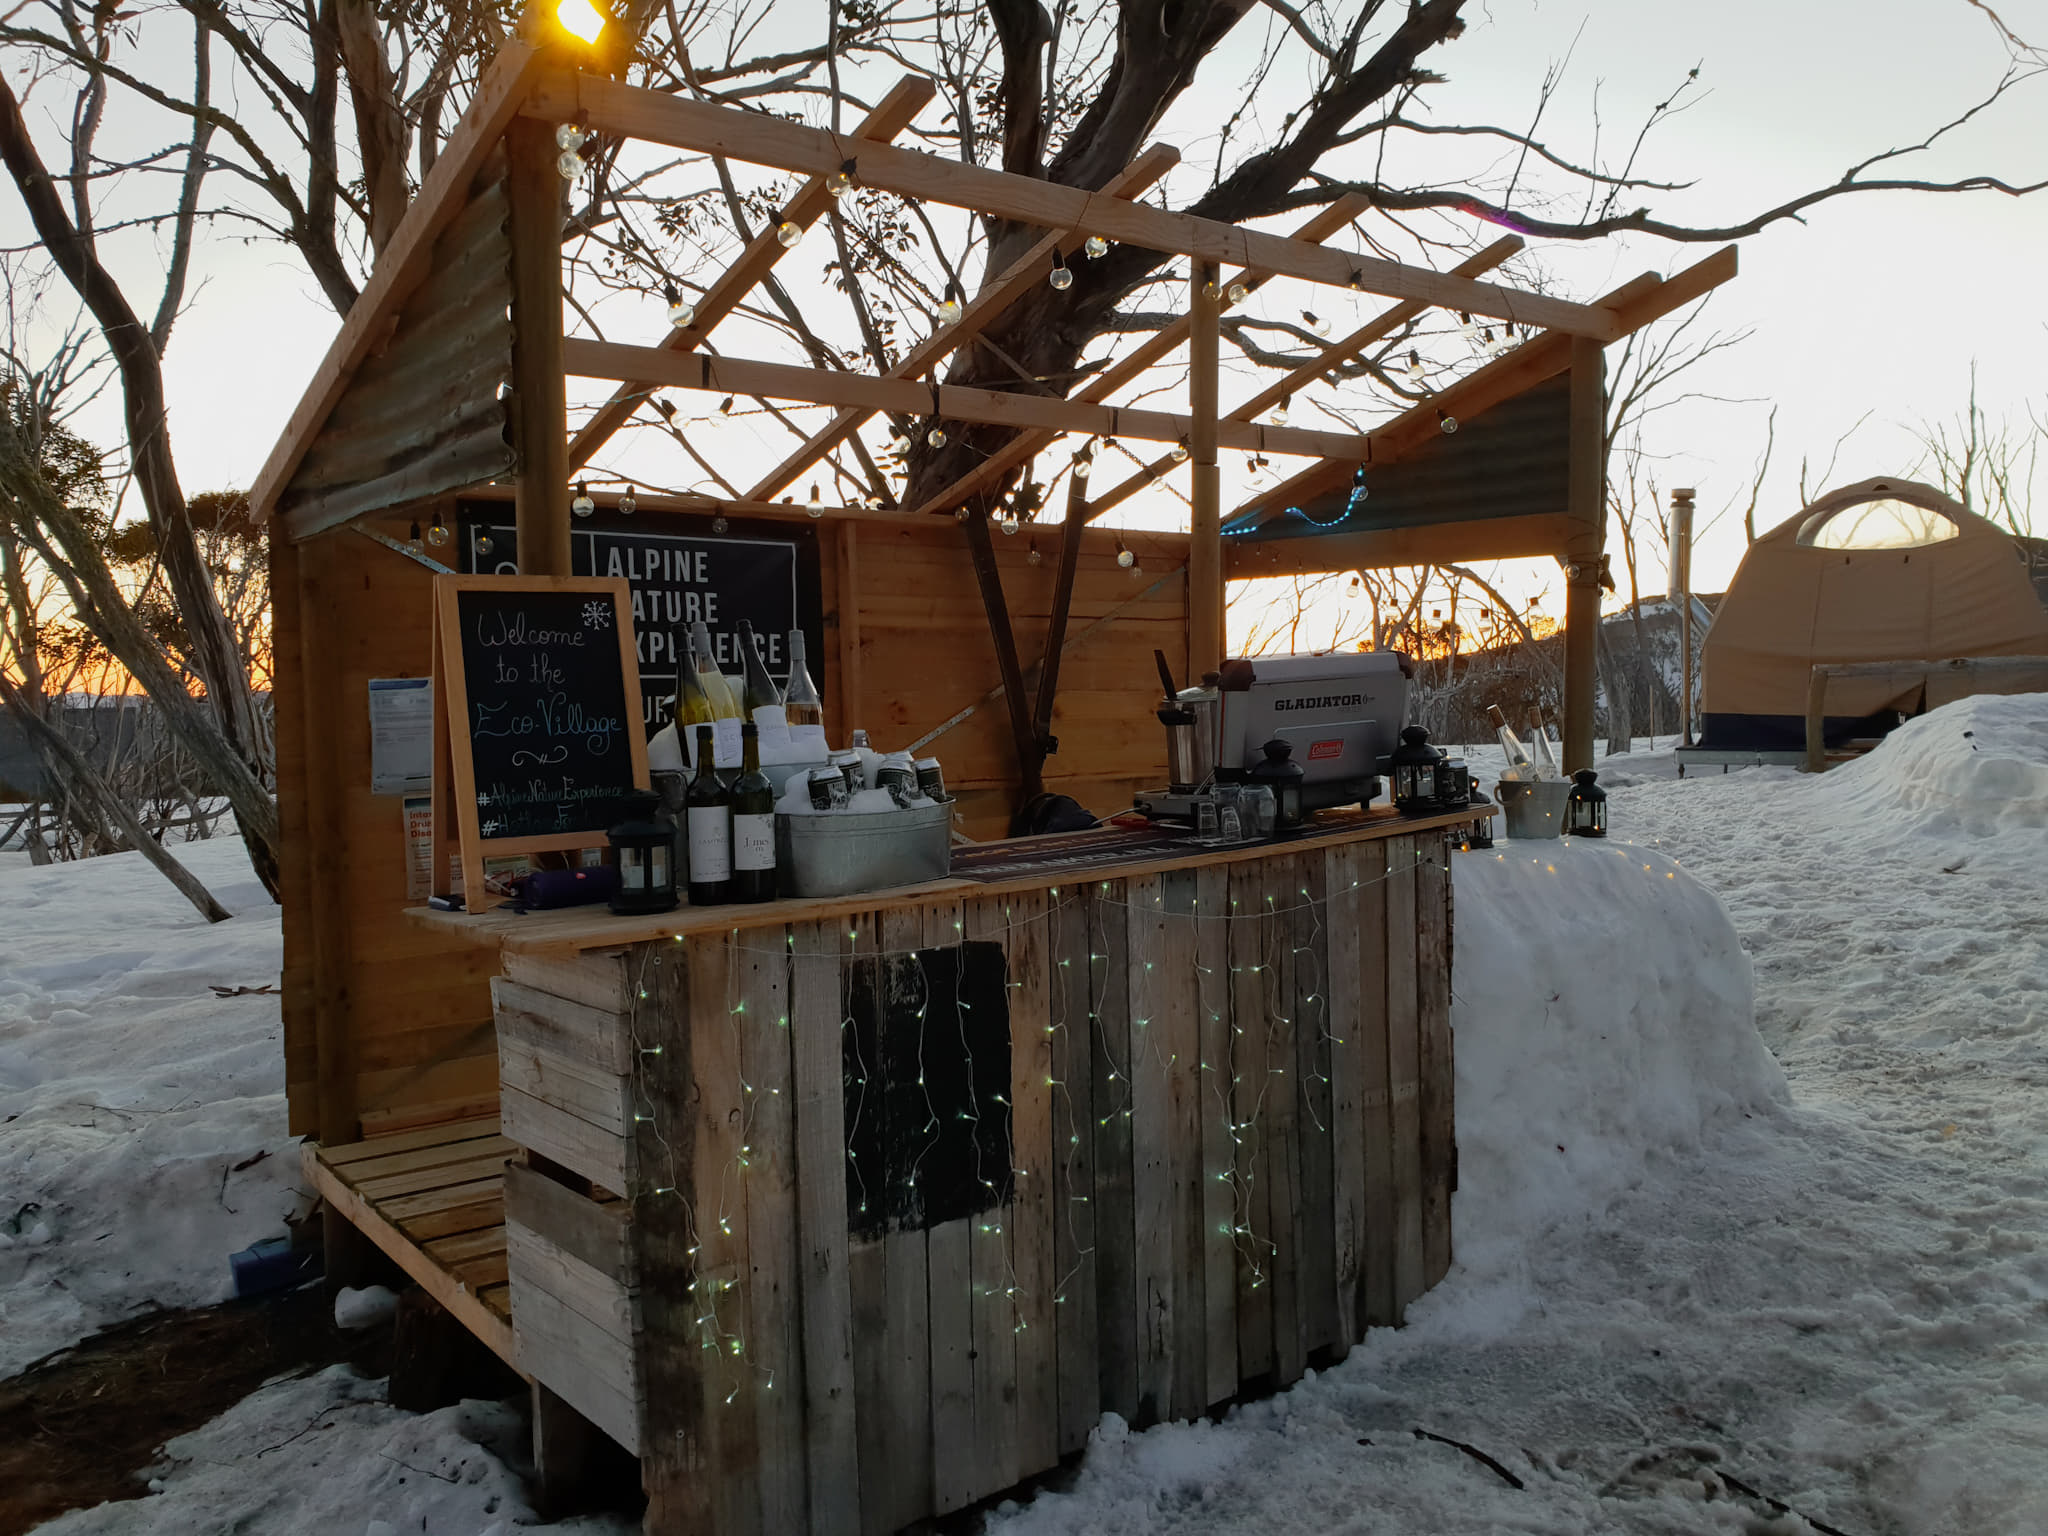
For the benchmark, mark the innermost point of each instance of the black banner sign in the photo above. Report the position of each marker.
(761, 570)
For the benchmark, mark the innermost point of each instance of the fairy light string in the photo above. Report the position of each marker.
(1276, 928)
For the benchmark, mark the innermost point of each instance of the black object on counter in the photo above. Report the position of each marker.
(646, 850)
(1585, 811)
(1413, 764)
(1280, 773)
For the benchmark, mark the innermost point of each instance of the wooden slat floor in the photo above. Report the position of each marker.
(433, 1199)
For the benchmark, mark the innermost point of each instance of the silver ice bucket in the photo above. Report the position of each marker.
(837, 853)
(1533, 808)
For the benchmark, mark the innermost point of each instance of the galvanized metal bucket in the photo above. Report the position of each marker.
(841, 852)
(1533, 808)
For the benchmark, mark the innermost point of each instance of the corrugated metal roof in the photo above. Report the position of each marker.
(424, 415)
(1510, 461)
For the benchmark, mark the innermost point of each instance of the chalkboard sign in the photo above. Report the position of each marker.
(758, 569)
(536, 698)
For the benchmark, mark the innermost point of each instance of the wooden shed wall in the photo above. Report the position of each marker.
(918, 649)
(411, 1039)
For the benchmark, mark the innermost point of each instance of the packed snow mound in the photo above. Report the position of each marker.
(1603, 1012)
(1977, 768)
(142, 1117)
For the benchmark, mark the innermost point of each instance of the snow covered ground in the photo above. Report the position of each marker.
(142, 1122)
(1688, 1265)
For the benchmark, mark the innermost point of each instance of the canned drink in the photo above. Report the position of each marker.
(828, 789)
(900, 779)
(848, 763)
(931, 779)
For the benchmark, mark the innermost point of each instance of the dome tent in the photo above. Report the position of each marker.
(1884, 570)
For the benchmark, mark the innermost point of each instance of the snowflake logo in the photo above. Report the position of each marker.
(597, 615)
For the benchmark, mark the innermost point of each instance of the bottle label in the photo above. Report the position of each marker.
(726, 749)
(770, 717)
(710, 844)
(809, 740)
(753, 842)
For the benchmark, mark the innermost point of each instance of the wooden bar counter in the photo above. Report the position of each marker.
(843, 1214)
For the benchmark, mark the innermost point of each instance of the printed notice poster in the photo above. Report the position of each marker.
(419, 847)
(401, 735)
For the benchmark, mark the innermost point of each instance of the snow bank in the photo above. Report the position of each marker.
(142, 1119)
(1974, 769)
(1603, 1016)
(324, 1455)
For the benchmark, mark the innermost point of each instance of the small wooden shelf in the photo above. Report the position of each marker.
(434, 1201)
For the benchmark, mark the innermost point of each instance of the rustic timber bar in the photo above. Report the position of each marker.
(847, 1213)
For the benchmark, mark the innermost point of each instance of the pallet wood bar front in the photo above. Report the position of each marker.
(848, 1214)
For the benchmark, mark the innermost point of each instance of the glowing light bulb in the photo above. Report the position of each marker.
(1126, 559)
(569, 136)
(438, 534)
(1467, 326)
(581, 19)
(570, 164)
(814, 506)
(1357, 491)
(719, 524)
(1033, 557)
(1237, 293)
(628, 503)
(1414, 366)
(485, 544)
(1062, 275)
(936, 437)
(1316, 323)
(1446, 422)
(412, 542)
(898, 444)
(582, 506)
(680, 310)
(1179, 452)
(839, 183)
(949, 310)
(1279, 416)
(1096, 247)
(787, 234)
(1083, 466)
(1008, 523)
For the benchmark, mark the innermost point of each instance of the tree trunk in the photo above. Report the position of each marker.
(1614, 682)
(215, 656)
(60, 757)
(104, 610)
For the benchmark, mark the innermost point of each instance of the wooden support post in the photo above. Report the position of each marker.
(1030, 751)
(1817, 720)
(540, 400)
(1681, 594)
(1205, 539)
(1056, 624)
(1586, 506)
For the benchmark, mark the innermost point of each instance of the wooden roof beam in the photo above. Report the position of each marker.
(1380, 326)
(982, 311)
(773, 141)
(891, 115)
(1325, 223)
(1638, 302)
(947, 402)
(402, 265)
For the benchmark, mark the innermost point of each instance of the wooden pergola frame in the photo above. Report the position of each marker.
(528, 90)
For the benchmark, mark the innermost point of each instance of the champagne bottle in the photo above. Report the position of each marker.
(763, 699)
(707, 813)
(1539, 747)
(753, 824)
(725, 708)
(692, 705)
(801, 704)
(1519, 765)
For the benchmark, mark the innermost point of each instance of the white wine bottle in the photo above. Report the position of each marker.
(763, 700)
(1539, 747)
(1519, 765)
(692, 705)
(726, 713)
(800, 701)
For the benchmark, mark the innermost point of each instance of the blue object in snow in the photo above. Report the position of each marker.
(270, 1265)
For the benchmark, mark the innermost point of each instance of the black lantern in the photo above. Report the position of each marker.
(646, 849)
(1453, 783)
(1413, 764)
(1479, 830)
(1281, 774)
(1585, 812)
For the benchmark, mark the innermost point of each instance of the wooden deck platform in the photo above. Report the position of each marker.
(434, 1201)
